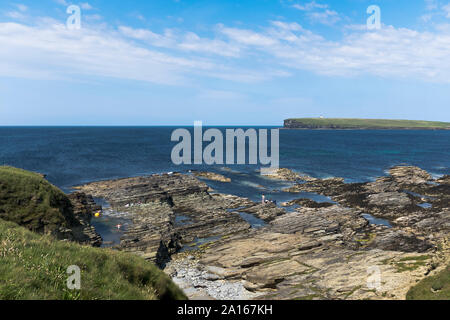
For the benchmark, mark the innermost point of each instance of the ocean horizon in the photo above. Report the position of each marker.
(73, 155)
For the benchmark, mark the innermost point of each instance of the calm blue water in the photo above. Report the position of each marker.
(71, 156)
(377, 221)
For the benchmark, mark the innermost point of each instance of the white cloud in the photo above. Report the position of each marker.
(431, 5)
(294, 26)
(15, 15)
(56, 52)
(446, 9)
(426, 17)
(389, 52)
(22, 7)
(62, 2)
(192, 42)
(325, 17)
(444, 28)
(317, 12)
(85, 6)
(434, 9)
(310, 6)
(49, 50)
(187, 41)
(247, 37)
(93, 17)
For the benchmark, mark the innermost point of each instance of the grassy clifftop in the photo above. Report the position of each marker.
(29, 200)
(323, 123)
(432, 288)
(34, 266)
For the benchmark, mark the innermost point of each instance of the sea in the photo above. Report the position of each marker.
(71, 156)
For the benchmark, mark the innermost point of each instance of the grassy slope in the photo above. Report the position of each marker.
(33, 266)
(432, 288)
(31, 201)
(371, 123)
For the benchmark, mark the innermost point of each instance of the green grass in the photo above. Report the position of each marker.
(416, 258)
(308, 297)
(408, 263)
(432, 288)
(411, 263)
(27, 199)
(33, 266)
(366, 123)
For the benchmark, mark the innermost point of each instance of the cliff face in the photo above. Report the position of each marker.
(29, 200)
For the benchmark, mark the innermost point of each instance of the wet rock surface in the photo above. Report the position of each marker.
(329, 223)
(398, 197)
(169, 211)
(308, 203)
(211, 176)
(123, 192)
(316, 251)
(288, 175)
(264, 211)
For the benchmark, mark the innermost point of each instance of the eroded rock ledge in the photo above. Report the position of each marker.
(170, 211)
(289, 175)
(408, 198)
(313, 252)
(211, 176)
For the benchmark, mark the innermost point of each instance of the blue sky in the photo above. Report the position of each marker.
(171, 62)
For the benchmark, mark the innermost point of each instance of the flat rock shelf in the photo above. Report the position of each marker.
(221, 246)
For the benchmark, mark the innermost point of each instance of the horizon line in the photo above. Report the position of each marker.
(126, 125)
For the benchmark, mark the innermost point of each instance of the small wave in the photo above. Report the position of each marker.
(436, 176)
(226, 169)
(251, 184)
(114, 214)
(368, 179)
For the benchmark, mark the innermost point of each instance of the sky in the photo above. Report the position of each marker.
(233, 62)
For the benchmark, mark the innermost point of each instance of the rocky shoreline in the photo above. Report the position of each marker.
(211, 176)
(312, 251)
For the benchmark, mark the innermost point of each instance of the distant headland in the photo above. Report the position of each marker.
(329, 123)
